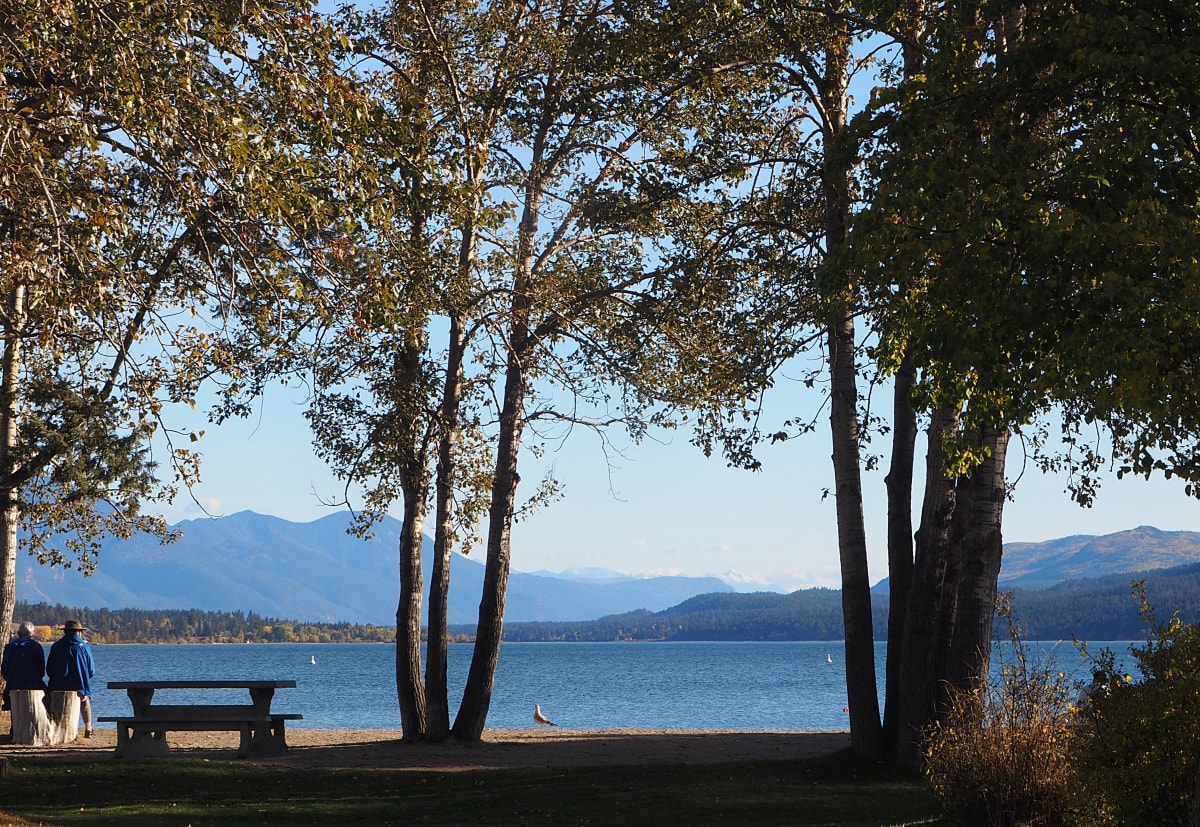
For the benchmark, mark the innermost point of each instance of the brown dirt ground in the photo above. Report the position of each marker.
(499, 748)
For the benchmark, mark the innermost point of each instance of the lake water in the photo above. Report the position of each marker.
(701, 685)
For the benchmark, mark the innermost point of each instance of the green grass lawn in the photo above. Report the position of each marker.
(838, 790)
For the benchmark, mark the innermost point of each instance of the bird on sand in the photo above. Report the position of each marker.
(539, 718)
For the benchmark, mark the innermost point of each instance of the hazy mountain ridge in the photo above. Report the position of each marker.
(1141, 549)
(317, 572)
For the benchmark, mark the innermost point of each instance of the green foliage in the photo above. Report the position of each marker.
(1032, 231)
(159, 159)
(999, 756)
(1140, 750)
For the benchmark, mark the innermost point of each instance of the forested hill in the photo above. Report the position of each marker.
(809, 614)
(1105, 608)
(1090, 609)
(318, 575)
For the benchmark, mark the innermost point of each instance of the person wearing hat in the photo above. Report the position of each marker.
(70, 668)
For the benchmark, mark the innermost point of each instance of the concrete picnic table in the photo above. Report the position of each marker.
(144, 734)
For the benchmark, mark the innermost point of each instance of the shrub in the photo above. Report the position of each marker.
(1000, 754)
(1139, 748)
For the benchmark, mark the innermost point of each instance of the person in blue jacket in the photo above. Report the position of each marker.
(70, 668)
(24, 664)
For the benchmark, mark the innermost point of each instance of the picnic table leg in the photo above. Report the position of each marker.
(278, 735)
(246, 746)
(268, 736)
(137, 742)
(140, 699)
(261, 698)
(122, 740)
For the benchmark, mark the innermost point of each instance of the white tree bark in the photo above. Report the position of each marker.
(31, 723)
(63, 711)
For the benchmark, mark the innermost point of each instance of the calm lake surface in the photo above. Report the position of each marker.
(741, 685)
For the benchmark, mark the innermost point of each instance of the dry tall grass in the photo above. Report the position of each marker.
(1000, 756)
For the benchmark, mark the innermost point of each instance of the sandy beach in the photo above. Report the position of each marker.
(551, 747)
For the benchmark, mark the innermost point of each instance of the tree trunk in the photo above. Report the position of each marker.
(414, 482)
(436, 690)
(861, 689)
(31, 723)
(10, 519)
(899, 483)
(519, 366)
(10, 509)
(921, 656)
(477, 695)
(947, 638)
(409, 687)
(978, 520)
(899, 480)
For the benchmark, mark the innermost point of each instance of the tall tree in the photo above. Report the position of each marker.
(837, 172)
(143, 179)
(1036, 277)
(936, 582)
(531, 268)
(982, 252)
(807, 55)
(589, 145)
(944, 636)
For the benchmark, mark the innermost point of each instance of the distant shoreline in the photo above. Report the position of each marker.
(1087, 610)
(710, 619)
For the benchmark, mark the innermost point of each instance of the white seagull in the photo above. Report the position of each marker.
(539, 718)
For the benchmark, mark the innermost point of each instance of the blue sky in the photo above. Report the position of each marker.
(663, 507)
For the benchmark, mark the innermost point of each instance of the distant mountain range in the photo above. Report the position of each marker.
(1142, 549)
(317, 572)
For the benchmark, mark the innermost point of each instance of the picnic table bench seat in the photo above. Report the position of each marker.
(143, 734)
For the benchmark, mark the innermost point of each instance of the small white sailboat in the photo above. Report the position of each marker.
(828, 658)
(314, 660)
